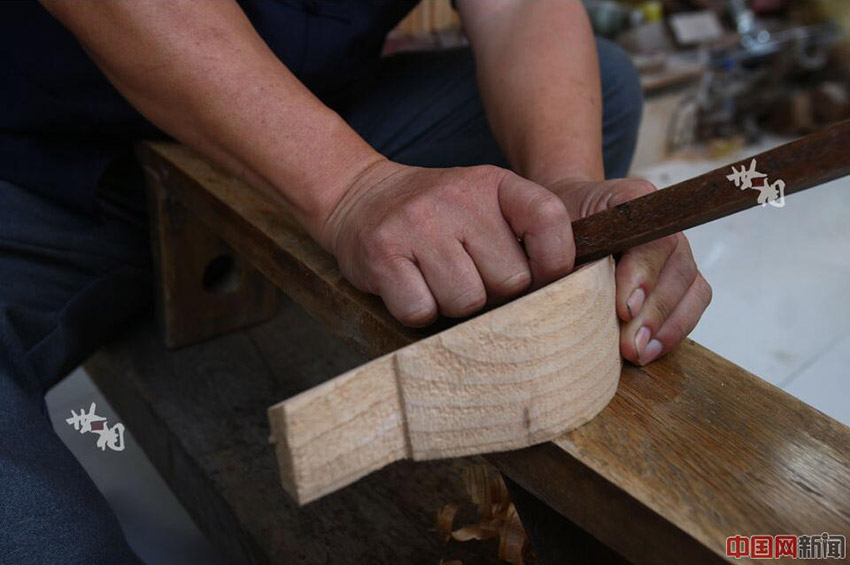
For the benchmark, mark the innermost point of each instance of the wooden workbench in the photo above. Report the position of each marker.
(691, 450)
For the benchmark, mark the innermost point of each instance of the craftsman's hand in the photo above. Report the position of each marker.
(660, 293)
(445, 240)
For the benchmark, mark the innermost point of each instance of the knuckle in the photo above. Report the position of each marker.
(642, 187)
(421, 211)
(638, 269)
(677, 330)
(490, 172)
(378, 243)
(549, 209)
(686, 270)
(668, 244)
(378, 270)
(661, 310)
(704, 290)
(650, 259)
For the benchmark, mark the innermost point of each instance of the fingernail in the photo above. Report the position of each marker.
(640, 341)
(653, 350)
(635, 301)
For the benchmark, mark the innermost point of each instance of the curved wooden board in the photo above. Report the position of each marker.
(515, 376)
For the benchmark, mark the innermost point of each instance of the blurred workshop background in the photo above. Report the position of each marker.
(723, 79)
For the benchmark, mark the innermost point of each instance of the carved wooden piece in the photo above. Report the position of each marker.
(518, 375)
(203, 288)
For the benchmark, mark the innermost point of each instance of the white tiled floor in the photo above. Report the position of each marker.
(781, 279)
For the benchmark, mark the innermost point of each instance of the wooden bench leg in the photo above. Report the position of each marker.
(203, 288)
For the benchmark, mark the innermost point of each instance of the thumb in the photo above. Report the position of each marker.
(586, 198)
(623, 190)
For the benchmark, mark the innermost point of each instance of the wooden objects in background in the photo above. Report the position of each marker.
(517, 375)
(203, 288)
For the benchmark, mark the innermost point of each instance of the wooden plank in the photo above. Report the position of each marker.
(200, 414)
(525, 372)
(643, 466)
(693, 449)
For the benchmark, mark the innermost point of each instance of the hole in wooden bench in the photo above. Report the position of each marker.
(222, 275)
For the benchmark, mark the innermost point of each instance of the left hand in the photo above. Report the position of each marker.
(660, 292)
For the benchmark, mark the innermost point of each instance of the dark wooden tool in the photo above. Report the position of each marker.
(801, 164)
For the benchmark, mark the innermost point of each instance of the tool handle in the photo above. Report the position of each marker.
(801, 164)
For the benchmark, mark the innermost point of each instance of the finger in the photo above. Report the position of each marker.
(591, 200)
(540, 219)
(676, 279)
(638, 271)
(680, 323)
(453, 279)
(405, 293)
(501, 262)
(628, 189)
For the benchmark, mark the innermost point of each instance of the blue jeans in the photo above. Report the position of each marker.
(68, 280)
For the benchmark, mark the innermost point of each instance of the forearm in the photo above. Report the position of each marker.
(200, 72)
(539, 78)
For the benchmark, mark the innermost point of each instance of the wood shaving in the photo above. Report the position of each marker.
(446, 518)
(485, 529)
(497, 517)
(512, 538)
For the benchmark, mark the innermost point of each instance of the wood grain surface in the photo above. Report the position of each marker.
(515, 376)
(692, 448)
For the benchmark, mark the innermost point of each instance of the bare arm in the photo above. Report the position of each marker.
(425, 240)
(199, 71)
(539, 77)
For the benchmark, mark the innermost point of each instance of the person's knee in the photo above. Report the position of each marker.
(622, 101)
(621, 86)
